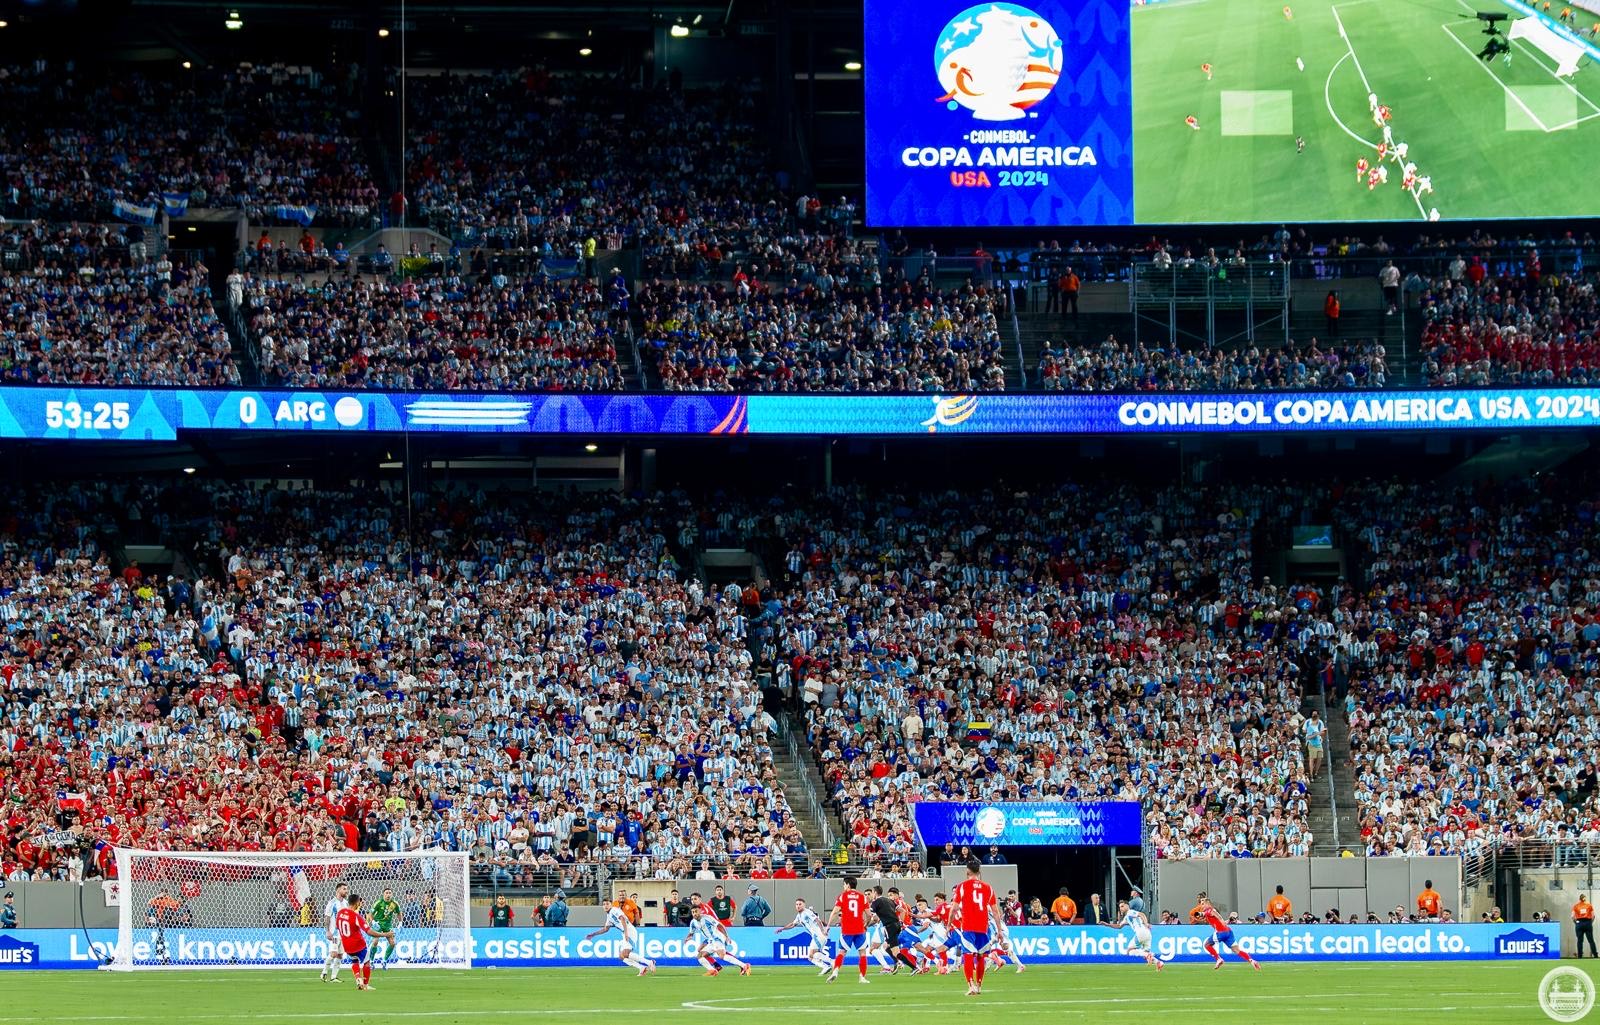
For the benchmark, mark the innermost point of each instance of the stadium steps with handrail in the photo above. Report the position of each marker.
(804, 787)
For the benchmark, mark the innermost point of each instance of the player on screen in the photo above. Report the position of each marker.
(1361, 169)
(1141, 946)
(714, 943)
(850, 912)
(330, 914)
(1192, 122)
(1372, 178)
(810, 922)
(1425, 185)
(1299, 144)
(976, 910)
(352, 928)
(1221, 936)
(1400, 151)
(1383, 151)
(618, 919)
(1382, 173)
(386, 923)
(1206, 70)
(1288, 14)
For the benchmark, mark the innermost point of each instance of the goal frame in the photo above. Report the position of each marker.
(126, 856)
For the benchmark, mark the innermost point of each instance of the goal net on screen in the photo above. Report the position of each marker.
(268, 910)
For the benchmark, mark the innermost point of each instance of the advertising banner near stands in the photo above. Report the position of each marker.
(568, 947)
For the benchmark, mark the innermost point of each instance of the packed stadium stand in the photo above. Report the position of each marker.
(546, 680)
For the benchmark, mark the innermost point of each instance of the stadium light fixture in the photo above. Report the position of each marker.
(852, 65)
(188, 65)
(192, 228)
(591, 447)
(680, 31)
(383, 33)
(4, 23)
(188, 469)
(233, 22)
(699, 18)
(585, 52)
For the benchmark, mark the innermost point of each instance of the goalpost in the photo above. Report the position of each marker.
(190, 910)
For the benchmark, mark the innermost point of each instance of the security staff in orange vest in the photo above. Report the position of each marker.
(1583, 924)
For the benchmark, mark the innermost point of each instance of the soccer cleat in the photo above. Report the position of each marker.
(652, 967)
(1218, 964)
(888, 971)
(1020, 969)
(745, 970)
(972, 990)
(1256, 965)
(833, 975)
(864, 980)
(323, 976)
(643, 972)
(713, 971)
(1160, 965)
(825, 970)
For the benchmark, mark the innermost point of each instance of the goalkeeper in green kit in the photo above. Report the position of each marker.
(385, 923)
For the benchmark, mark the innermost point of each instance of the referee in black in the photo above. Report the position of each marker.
(889, 917)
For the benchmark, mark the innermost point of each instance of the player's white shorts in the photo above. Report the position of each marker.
(1141, 939)
(938, 934)
(819, 942)
(874, 935)
(713, 948)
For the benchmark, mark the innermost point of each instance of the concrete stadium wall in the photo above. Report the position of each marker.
(1356, 885)
(48, 905)
(1543, 889)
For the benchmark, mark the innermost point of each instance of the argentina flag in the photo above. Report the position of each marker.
(127, 211)
(176, 204)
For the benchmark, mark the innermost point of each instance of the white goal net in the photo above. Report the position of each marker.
(268, 910)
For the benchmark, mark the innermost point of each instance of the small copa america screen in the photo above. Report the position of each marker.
(1118, 112)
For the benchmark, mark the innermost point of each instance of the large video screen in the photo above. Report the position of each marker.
(1060, 112)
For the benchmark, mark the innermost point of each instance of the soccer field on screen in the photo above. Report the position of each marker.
(1461, 993)
(1497, 139)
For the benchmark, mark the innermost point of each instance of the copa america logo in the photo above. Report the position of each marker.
(1566, 994)
(990, 823)
(997, 60)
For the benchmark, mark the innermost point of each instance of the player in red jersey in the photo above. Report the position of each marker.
(1221, 935)
(976, 910)
(1361, 169)
(850, 913)
(1206, 68)
(1192, 122)
(352, 929)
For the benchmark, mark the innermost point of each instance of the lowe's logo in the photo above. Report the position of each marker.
(16, 954)
(791, 950)
(1520, 943)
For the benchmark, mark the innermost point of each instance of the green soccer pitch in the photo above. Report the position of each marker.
(1498, 140)
(1440, 992)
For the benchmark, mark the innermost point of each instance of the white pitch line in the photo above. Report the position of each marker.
(1327, 98)
(1485, 66)
(1350, 47)
(1573, 124)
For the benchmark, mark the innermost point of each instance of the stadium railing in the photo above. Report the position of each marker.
(814, 807)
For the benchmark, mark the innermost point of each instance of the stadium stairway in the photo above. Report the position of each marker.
(1034, 329)
(1332, 812)
(800, 776)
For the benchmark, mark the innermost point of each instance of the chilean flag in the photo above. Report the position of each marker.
(78, 802)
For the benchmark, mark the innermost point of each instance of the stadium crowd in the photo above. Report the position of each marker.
(1520, 327)
(454, 331)
(535, 678)
(824, 334)
(85, 305)
(280, 144)
(1122, 366)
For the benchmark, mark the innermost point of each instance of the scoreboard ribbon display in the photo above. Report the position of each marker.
(147, 414)
(1028, 824)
